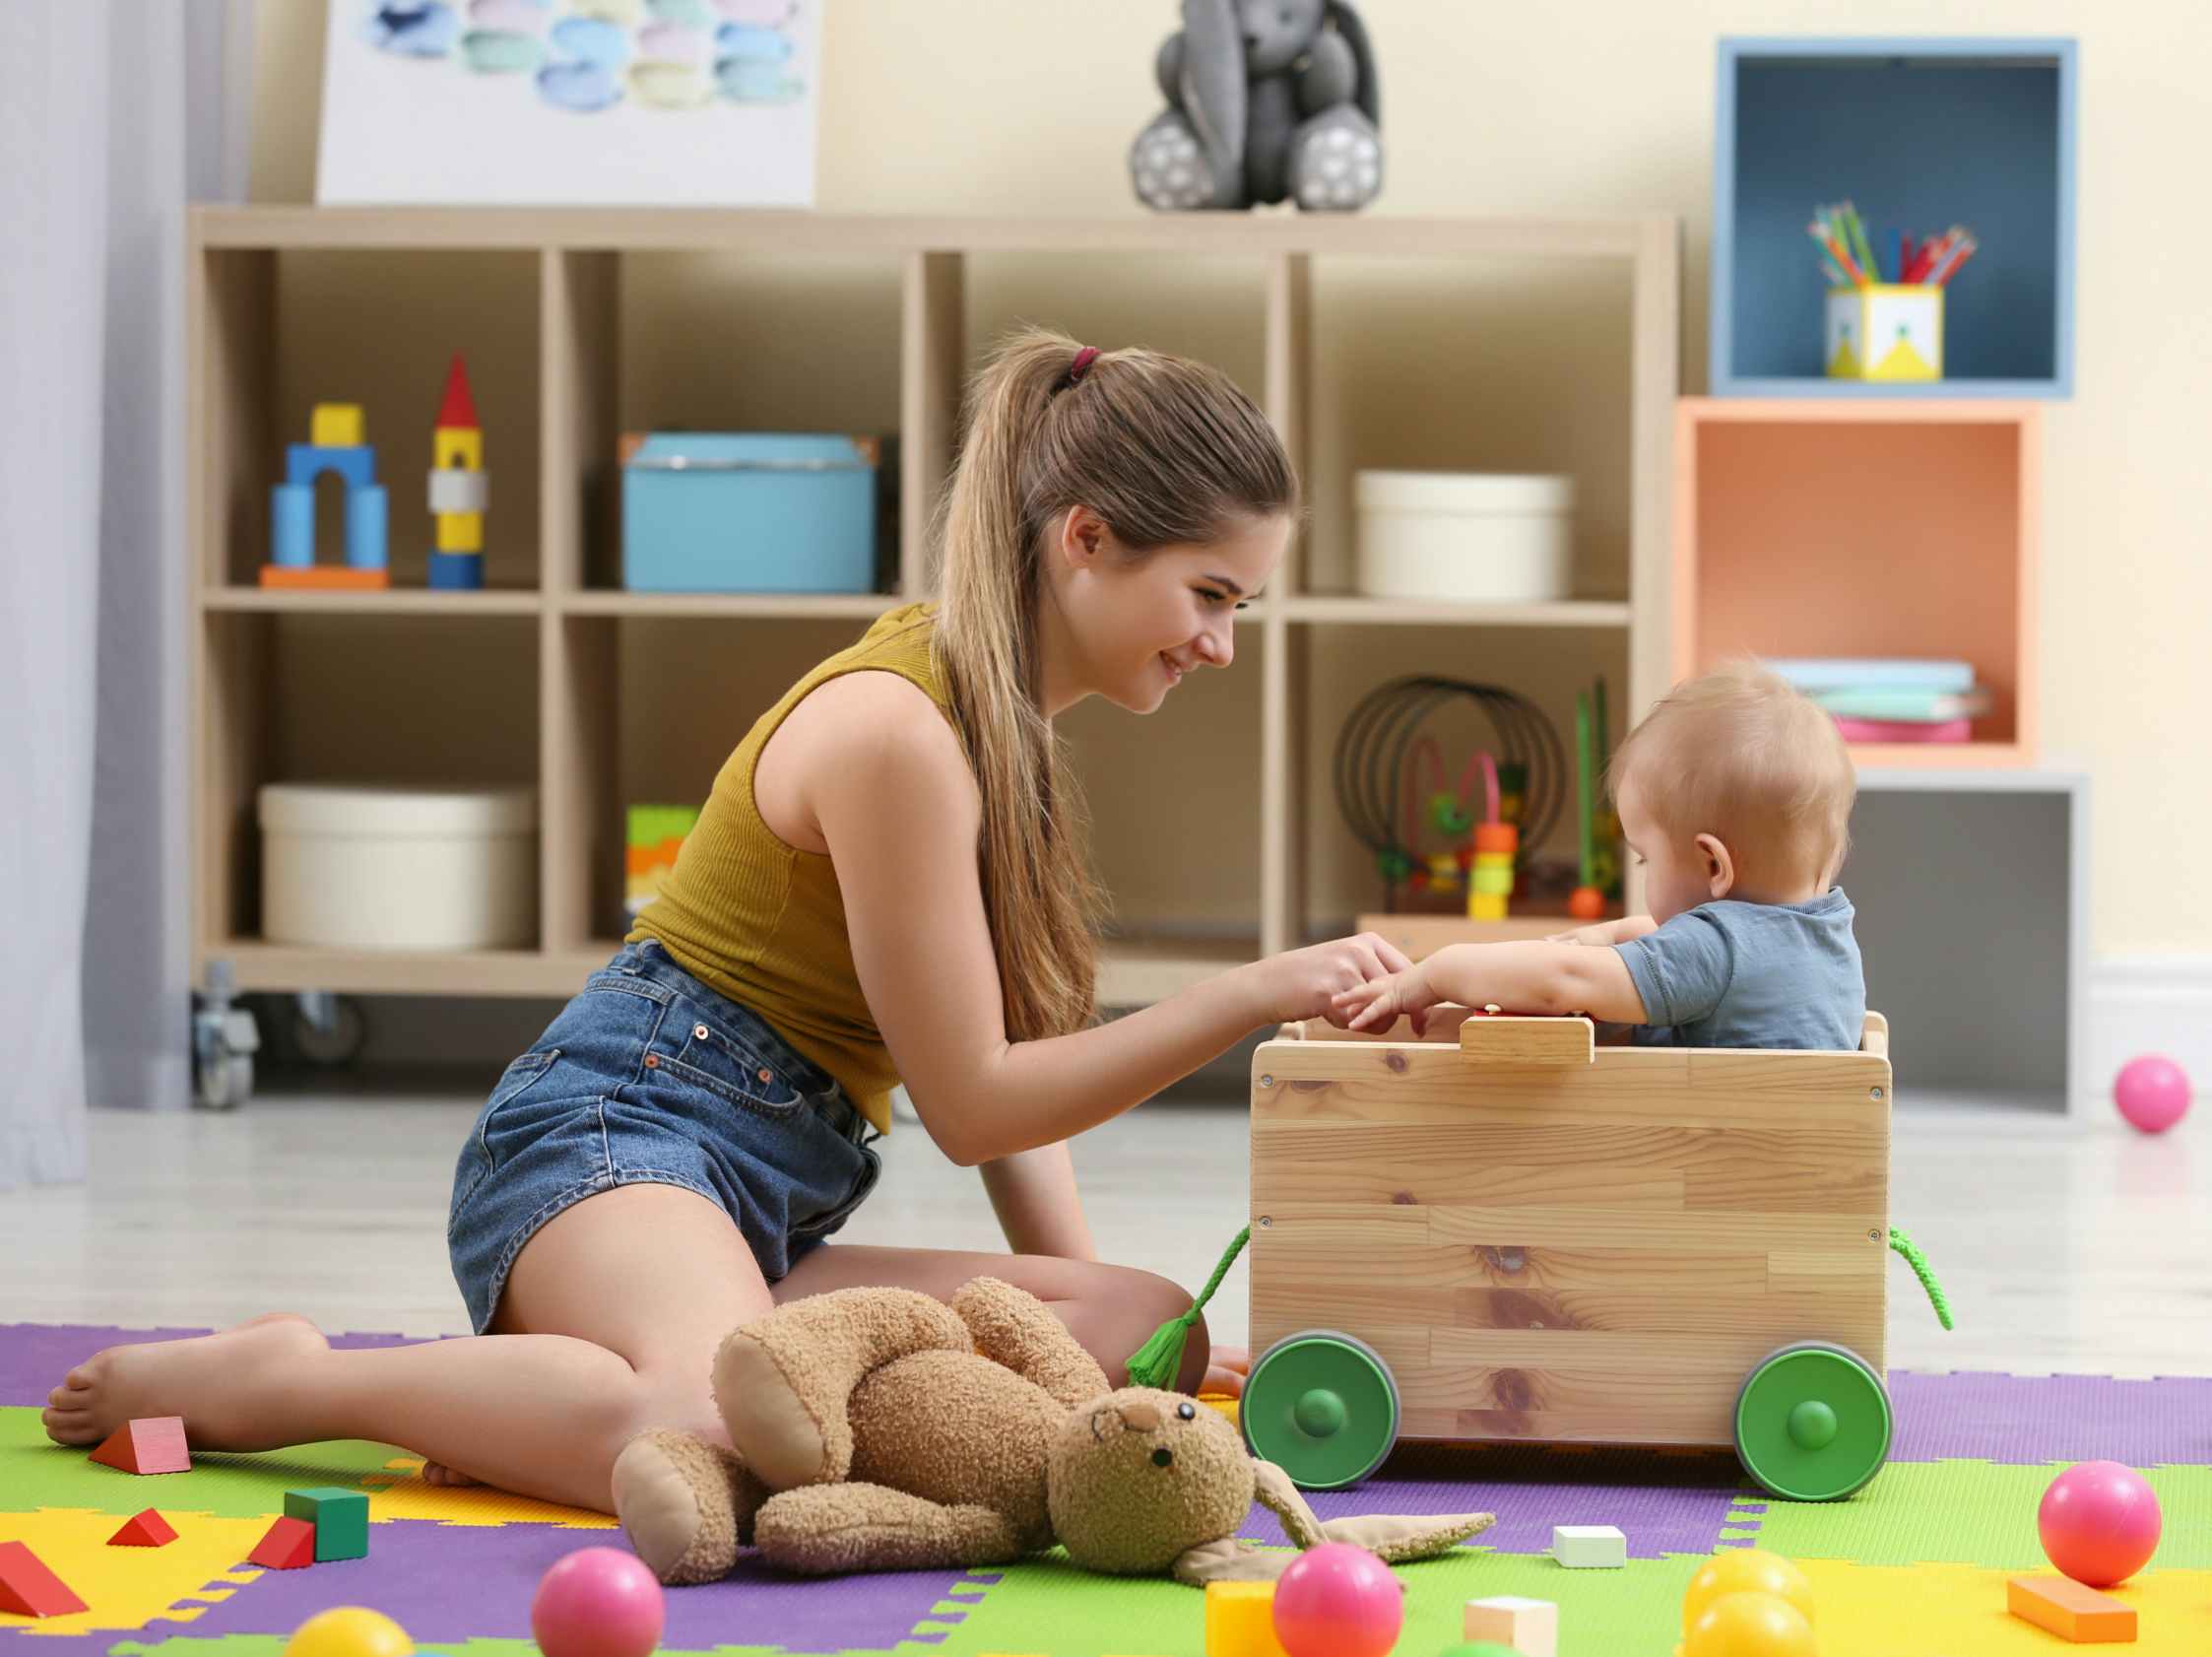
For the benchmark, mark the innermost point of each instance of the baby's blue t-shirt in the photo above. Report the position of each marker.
(1732, 974)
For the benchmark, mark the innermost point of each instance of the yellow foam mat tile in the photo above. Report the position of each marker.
(399, 1493)
(1959, 1611)
(134, 1587)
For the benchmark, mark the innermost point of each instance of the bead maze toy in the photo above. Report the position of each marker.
(1503, 1232)
(1383, 756)
(336, 442)
(460, 488)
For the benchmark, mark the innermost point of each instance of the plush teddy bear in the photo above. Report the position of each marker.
(881, 1429)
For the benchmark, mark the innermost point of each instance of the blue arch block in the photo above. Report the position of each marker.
(305, 462)
(364, 527)
(292, 525)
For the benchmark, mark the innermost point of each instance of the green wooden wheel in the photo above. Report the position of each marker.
(1322, 1406)
(1812, 1422)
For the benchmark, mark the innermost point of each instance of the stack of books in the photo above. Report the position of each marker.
(1892, 699)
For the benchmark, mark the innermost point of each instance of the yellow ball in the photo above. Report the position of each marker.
(349, 1630)
(1750, 1626)
(1750, 1570)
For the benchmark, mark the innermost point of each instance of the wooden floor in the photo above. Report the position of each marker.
(2064, 1248)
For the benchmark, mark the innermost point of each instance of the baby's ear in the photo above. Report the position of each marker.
(1720, 865)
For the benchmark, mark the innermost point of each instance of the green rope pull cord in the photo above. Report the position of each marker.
(1924, 1272)
(1160, 1359)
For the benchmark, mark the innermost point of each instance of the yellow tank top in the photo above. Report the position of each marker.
(763, 922)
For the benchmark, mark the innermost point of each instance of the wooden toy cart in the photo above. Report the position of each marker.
(1506, 1232)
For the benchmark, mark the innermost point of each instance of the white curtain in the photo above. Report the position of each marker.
(113, 113)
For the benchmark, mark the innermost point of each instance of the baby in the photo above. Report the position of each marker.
(1736, 793)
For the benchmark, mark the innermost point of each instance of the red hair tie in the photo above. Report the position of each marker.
(1083, 360)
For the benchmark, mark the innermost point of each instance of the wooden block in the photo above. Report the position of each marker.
(336, 426)
(1240, 1620)
(27, 1588)
(1529, 1627)
(2071, 1610)
(288, 1545)
(1589, 1547)
(150, 1444)
(1513, 1039)
(460, 532)
(143, 1530)
(325, 577)
(340, 1518)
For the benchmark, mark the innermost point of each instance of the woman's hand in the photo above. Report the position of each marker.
(1306, 983)
(1379, 1004)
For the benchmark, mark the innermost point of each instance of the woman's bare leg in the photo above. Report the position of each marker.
(608, 1324)
(1111, 1309)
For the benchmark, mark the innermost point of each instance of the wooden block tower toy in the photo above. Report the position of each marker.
(336, 442)
(459, 486)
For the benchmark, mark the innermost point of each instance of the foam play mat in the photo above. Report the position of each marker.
(1913, 1566)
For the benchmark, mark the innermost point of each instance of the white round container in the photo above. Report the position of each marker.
(1471, 536)
(399, 868)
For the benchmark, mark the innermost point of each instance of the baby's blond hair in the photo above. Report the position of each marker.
(1742, 755)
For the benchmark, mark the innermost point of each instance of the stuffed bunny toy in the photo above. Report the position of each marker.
(881, 1429)
(1266, 100)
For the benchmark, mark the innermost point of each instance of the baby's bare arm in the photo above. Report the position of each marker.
(1537, 977)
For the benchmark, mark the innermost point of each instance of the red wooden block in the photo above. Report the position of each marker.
(289, 1544)
(143, 1530)
(27, 1588)
(150, 1444)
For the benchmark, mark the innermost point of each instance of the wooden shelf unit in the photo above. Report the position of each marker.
(562, 452)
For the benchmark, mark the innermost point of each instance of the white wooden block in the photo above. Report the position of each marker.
(1529, 1627)
(1589, 1547)
(455, 490)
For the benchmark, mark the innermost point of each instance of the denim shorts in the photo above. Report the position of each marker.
(649, 1077)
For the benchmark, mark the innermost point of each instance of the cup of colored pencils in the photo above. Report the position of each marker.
(1885, 306)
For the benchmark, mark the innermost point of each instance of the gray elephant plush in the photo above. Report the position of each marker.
(1266, 101)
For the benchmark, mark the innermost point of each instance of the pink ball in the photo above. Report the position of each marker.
(597, 1601)
(1338, 1600)
(2152, 1092)
(2099, 1522)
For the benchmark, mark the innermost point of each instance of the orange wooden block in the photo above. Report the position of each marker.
(2071, 1610)
(27, 1588)
(289, 1544)
(150, 1444)
(143, 1530)
(326, 577)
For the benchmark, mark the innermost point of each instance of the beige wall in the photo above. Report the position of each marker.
(983, 106)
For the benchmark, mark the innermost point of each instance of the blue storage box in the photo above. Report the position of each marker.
(749, 512)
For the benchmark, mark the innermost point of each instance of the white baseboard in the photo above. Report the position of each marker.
(2150, 1004)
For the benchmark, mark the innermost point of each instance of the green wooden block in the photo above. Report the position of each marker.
(340, 1518)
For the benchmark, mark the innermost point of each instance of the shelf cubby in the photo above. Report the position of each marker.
(1920, 134)
(1810, 528)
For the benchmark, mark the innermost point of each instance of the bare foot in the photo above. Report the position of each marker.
(434, 1472)
(216, 1383)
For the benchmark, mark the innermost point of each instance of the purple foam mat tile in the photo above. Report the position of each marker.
(1663, 1503)
(1977, 1416)
(445, 1585)
(33, 1357)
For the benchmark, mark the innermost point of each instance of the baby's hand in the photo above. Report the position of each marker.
(1379, 1003)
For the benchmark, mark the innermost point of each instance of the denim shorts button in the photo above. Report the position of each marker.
(767, 1075)
(652, 1061)
(698, 1032)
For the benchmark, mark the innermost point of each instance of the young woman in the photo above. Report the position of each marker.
(890, 883)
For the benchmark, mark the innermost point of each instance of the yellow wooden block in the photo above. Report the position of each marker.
(460, 532)
(457, 447)
(1240, 1620)
(336, 426)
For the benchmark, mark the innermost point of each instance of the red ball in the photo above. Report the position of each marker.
(1338, 1600)
(2099, 1522)
(1586, 903)
(597, 1601)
